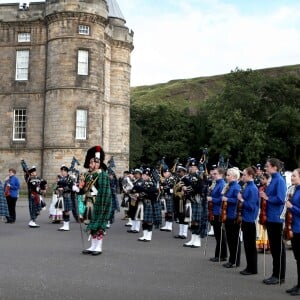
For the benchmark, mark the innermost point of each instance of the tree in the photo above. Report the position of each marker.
(255, 117)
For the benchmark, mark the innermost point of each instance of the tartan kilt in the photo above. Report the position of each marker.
(157, 217)
(169, 203)
(196, 211)
(68, 205)
(148, 211)
(34, 207)
(3, 207)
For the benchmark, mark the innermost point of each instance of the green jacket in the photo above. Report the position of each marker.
(102, 205)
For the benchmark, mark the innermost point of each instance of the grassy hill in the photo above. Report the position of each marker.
(184, 93)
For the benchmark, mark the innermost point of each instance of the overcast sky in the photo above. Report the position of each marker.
(178, 39)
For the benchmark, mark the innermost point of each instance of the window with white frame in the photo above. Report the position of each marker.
(23, 37)
(19, 126)
(81, 124)
(22, 64)
(84, 29)
(83, 62)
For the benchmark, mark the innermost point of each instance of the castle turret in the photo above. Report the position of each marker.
(117, 96)
(75, 80)
(69, 87)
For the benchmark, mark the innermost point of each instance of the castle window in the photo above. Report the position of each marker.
(83, 62)
(23, 37)
(22, 64)
(81, 124)
(19, 126)
(84, 29)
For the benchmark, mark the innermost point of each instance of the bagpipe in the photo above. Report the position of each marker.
(203, 162)
(111, 166)
(175, 164)
(74, 172)
(25, 167)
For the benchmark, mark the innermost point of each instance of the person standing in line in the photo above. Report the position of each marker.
(11, 192)
(215, 200)
(293, 207)
(182, 192)
(115, 202)
(63, 190)
(135, 201)
(196, 198)
(249, 201)
(262, 241)
(126, 185)
(95, 187)
(166, 187)
(36, 188)
(232, 228)
(147, 193)
(275, 197)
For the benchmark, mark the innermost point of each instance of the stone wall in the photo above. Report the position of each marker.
(54, 91)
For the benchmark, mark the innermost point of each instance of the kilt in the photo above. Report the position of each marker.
(148, 211)
(34, 207)
(3, 207)
(169, 203)
(68, 205)
(3, 203)
(196, 211)
(157, 217)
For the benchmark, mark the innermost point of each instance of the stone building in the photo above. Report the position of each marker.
(65, 69)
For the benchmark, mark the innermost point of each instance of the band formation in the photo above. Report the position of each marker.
(253, 205)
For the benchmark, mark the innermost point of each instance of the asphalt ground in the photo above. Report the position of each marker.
(47, 264)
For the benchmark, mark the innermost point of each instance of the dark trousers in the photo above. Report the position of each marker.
(249, 237)
(74, 206)
(277, 248)
(233, 241)
(219, 233)
(204, 217)
(11, 204)
(296, 251)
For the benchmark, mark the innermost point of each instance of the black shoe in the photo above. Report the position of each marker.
(273, 280)
(228, 265)
(94, 253)
(246, 272)
(177, 236)
(132, 231)
(85, 252)
(214, 259)
(183, 237)
(294, 288)
(296, 292)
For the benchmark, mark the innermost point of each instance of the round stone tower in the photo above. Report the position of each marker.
(103, 93)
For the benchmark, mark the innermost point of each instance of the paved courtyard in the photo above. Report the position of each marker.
(47, 264)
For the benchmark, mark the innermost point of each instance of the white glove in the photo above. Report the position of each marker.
(94, 191)
(75, 188)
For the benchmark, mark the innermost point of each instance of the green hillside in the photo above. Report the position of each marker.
(184, 93)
